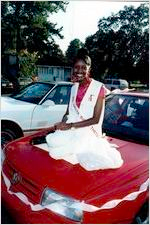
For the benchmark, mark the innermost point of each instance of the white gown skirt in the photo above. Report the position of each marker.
(92, 153)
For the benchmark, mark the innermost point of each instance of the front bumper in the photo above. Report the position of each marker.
(23, 214)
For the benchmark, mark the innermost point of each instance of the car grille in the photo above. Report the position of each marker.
(21, 183)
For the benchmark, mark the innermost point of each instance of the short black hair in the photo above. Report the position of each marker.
(83, 54)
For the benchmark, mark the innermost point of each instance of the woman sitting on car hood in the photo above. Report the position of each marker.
(80, 135)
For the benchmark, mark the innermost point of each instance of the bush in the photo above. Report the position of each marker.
(27, 62)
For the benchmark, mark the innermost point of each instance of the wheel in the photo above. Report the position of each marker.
(9, 132)
(142, 217)
(7, 135)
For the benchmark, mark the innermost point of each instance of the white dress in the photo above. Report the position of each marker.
(86, 145)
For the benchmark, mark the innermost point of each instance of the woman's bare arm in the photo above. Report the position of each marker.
(96, 115)
(94, 120)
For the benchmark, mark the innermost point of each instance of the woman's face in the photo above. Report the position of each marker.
(80, 71)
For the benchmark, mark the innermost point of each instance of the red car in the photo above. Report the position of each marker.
(39, 189)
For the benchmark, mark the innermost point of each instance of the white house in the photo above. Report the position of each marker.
(53, 73)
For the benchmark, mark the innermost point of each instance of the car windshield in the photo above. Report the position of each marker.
(127, 117)
(33, 92)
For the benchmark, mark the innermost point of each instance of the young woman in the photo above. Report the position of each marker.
(80, 132)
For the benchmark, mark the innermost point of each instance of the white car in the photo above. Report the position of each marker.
(38, 105)
(112, 84)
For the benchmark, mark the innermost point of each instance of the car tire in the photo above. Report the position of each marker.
(142, 216)
(8, 134)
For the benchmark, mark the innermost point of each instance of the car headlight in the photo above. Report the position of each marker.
(62, 205)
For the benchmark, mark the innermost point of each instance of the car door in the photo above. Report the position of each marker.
(52, 109)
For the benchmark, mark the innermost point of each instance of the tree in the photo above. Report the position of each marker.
(28, 63)
(26, 29)
(27, 23)
(72, 50)
(141, 68)
(120, 45)
(53, 55)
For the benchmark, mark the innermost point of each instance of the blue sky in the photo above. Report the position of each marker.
(81, 18)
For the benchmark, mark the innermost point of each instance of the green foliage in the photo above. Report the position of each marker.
(72, 50)
(119, 48)
(26, 24)
(53, 56)
(27, 62)
(121, 45)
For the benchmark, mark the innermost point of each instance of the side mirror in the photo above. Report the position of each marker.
(48, 103)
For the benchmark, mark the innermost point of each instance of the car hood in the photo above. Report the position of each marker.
(8, 103)
(73, 180)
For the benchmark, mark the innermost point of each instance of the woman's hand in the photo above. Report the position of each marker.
(63, 126)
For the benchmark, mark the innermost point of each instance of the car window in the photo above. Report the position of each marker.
(60, 95)
(139, 116)
(113, 109)
(33, 93)
(127, 116)
(116, 82)
(132, 106)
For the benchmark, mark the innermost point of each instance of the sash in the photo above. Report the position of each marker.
(82, 118)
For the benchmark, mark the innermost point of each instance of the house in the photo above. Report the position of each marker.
(53, 73)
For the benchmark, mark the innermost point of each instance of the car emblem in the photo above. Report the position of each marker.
(16, 178)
